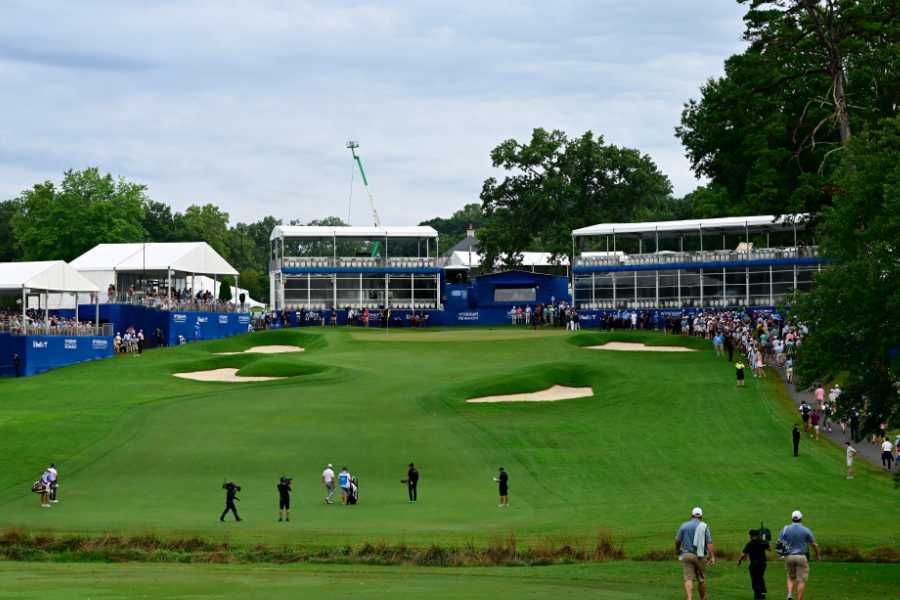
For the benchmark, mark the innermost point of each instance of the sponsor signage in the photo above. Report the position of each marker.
(179, 318)
(223, 319)
(244, 319)
(467, 316)
(70, 344)
(202, 319)
(460, 293)
(99, 344)
(39, 344)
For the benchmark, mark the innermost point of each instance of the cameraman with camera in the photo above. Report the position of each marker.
(231, 490)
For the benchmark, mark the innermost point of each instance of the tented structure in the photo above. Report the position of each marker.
(40, 279)
(173, 264)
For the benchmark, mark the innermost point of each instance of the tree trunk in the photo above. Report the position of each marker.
(842, 116)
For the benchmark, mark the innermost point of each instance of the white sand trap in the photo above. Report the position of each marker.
(273, 349)
(635, 347)
(226, 375)
(553, 394)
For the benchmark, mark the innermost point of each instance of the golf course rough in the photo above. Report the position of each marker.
(140, 451)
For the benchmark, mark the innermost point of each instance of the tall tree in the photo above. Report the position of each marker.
(87, 209)
(453, 228)
(558, 184)
(8, 210)
(770, 131)
(207, 223)
(159, 223)
(854, 307)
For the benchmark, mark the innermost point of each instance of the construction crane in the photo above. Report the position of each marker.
(353, 145)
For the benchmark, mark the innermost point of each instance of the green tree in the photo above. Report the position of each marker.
(159, 223)
(205, 223)
(453, 228)
(8, 210)
(770, 131)
(854, 307)
(87, 209)
(225, 289)
(558, 184)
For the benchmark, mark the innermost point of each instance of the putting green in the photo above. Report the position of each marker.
(141, 451)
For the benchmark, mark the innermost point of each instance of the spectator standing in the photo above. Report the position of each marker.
(328, 482)
(796, 540)
(729, 346)
(739, 373)
(718, 344)
(854, 425)
(692, 543)
(284, 499)
(756, 550)
(795, 437)
(412, 483)
(502, 480)
(345, 481)
(851, 452)
(54, 483)
(887, 456)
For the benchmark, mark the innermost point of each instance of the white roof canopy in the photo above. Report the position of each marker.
(316, 231)
(187, 257)
(50, 275)
(764, 222)
(460, 259)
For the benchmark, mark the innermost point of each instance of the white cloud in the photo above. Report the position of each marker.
(248, 104)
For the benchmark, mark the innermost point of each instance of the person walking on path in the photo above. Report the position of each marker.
(231, 490)
(756, 550)
(502, 480)
(805, 409)
(795, 438)
(887, 455)
(851, 452)
(814, 420)
(345, 480)
(328, 482)
(854, 426)
(729, 346)
(692, 543)
(412, 483)
(284, 499)
(796, 540)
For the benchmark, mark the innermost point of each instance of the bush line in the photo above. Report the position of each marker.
(19, 545)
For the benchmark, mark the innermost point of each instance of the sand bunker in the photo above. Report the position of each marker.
(635, 347)
(226, 375)
(553, 394)
(273, 349)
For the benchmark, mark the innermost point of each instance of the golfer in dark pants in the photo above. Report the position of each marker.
(231, 490)
(503, 485)
(755, 550)
(795, 438)
(412, 483)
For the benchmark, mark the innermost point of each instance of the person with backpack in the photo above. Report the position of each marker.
(345, 481)
(693, 543)
(794, 542)
(231, 490)
(756, 550)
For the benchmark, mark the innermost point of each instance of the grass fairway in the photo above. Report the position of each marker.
(607, 581)
(140, 451)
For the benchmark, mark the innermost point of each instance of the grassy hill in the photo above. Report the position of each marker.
(141, 451)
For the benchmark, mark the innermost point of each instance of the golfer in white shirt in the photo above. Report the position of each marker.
(328, 482)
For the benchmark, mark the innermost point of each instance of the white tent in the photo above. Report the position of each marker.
(51, 276)
(101, 263)
(460, 259)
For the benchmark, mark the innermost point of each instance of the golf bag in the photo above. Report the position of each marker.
(353, 498)
(38, 487)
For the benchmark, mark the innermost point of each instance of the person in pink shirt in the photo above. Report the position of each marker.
(820, 396)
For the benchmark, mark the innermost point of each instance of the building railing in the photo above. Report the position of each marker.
(656, 258)
(353, 262)
(764, 300)
(14, 326)
(194, 305)
(357, 306)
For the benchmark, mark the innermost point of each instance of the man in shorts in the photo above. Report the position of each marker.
(851, 452)
(344, 481)
(328, 482)
(796, 540)
(692, 543)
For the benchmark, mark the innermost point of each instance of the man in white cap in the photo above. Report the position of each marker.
(796, 540)
(328, 482)
(693, 543)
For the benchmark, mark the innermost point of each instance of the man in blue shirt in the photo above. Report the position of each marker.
(692, 543)
(796, 540)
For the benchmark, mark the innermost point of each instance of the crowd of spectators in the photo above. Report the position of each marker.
(35, 322)
(160, 297)
(553, 314)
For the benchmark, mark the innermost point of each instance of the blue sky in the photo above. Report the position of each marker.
(249, 104)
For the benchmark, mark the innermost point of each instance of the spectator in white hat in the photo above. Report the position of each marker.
(795, 540)
(693, 543)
